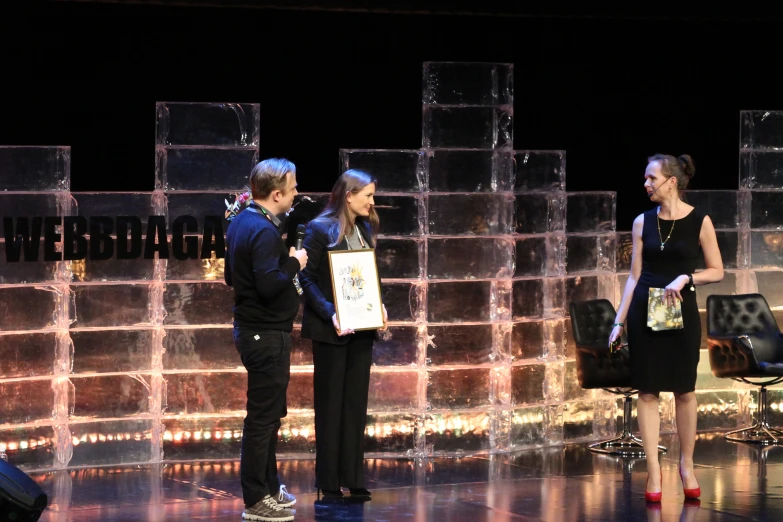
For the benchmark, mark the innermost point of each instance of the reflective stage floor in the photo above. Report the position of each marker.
(738, 482)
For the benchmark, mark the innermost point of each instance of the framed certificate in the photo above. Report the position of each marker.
(357, 289)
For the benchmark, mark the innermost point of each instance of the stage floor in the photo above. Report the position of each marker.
(561, 484)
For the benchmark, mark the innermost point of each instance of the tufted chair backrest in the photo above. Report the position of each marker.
(592, 321)
(731, 316)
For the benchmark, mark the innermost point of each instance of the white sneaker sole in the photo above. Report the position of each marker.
(286, 518)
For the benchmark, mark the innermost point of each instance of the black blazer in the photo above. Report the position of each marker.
(317, 284)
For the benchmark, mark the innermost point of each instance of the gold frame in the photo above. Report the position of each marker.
(376, 280)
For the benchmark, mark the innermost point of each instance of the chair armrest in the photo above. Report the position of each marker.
(733, 356)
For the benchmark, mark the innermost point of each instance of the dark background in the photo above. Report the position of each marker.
(609, 87)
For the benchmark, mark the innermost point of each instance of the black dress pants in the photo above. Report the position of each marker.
(341, 383)
(266, 354)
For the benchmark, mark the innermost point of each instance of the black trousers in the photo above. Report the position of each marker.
(266, 355)
(341, 382)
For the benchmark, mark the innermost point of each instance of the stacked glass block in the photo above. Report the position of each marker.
(204, 155)
(36, 308)
(761, 196)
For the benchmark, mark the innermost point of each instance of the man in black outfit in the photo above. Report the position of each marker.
(266, 295)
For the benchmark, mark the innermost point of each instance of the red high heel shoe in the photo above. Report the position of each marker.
(653, 497)
(690, 494)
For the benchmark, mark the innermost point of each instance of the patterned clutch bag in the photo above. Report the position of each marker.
(662, 317)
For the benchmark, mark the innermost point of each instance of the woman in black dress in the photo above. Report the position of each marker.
(341, 357)
(667, 243)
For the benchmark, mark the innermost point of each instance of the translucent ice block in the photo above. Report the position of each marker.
(394, 391)
(729, 245)
(111, 305)
(200, 348)
(578, 420)
(21, 272)
(400, 215)
(467, 127)
(458, 302)
(110, 270)
(470, 170)
(297, 434)
(398, 347)
(399, 258)
(207, 269)
(624, 251)
(471, 214)
(29, 448)
(585, 288)
(766, 210)
(111, 396)
(26, 401)
(535, 298)
(202, 438)
(113, 204)
(30, 206)
(590, 212)
(720, 205)
(538, 339)
(403, 301)
(35, 169)
(299, 395)
(766, 249)
(528, 384)
(458, 344)
(761, 130)
(761, 169)
(729, 286)
(527, 427)
(539, 170)
(768, 282)
(114, 442)
(182, 123)
(198, 303)
(390, 433)
(590, 253)
(537, 213)
(540, 255)
(28, 308)
(212, 393)
(27, 355)
(572, 391)
(112, 350)
(199, 205)
(470, 258)
(204, 168)
(468, 83)
(454, 389)
(395, 170)
(717, 410)
(457, 432)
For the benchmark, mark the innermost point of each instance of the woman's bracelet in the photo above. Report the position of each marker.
(618, 324)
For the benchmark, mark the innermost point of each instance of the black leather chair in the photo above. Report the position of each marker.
(745, 343)
(598, 367)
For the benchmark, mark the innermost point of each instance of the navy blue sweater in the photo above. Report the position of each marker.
(259, 268)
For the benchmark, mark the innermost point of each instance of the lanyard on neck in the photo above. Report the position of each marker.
(358, 234)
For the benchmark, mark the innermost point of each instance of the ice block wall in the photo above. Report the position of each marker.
(36, 308)
(761, 228)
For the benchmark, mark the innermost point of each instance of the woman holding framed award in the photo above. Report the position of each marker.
(343, 311)
(659, 303)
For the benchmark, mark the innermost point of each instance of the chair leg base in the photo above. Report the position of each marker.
(625, 445)
(759, 433)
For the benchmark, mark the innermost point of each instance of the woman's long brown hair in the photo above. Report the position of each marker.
(351, 181)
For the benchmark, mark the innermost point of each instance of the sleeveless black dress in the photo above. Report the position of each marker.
(666, 360)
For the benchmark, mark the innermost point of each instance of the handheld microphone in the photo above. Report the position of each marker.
(300, 235)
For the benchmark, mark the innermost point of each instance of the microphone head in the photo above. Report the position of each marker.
(301, 229)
